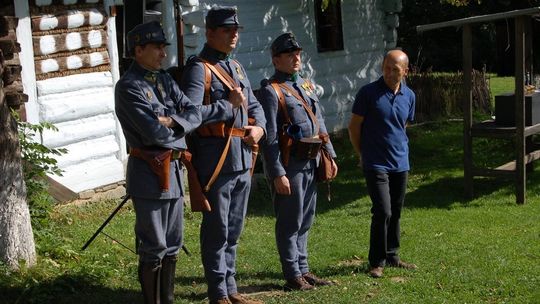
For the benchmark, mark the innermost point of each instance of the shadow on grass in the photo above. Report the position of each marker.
(447, 191)
(67, 289)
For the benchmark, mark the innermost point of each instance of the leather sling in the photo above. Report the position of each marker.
(227, 80)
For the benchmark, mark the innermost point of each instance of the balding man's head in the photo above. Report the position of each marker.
(395, 68)
(397, 56)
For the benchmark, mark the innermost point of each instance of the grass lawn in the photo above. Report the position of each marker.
(483, 250)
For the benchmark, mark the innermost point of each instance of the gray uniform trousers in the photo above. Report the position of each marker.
(294, 216)
(158, 226)
(220, 231)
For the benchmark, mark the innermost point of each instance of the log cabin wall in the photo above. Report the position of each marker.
(74, 91)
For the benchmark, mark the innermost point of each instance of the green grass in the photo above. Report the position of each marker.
(501, 85)
(484, 250)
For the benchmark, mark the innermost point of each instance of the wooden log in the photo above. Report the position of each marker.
(9, 35)
(7, 23)
(11, 73)
(15, 87)
(14, 60)
(15, 100)
(9, 47)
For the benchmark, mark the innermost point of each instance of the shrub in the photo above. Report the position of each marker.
(38, 161)
(441, 94)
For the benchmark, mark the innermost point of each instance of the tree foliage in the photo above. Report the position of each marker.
(441, 49)
(38, 161)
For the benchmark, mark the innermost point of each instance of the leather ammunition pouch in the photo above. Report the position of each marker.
(159, 161)
(306, 148)
(219, 129)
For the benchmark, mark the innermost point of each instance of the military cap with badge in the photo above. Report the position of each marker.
(142, 34)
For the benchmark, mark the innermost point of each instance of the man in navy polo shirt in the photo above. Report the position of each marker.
(380, 115)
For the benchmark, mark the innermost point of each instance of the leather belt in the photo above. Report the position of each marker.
(236, 132)
(141, 153)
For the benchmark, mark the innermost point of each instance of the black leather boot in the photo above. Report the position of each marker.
(168, 267)
(149, 274)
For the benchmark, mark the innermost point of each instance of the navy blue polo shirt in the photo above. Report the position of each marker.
(384, 141)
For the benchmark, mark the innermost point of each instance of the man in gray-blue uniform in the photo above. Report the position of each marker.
(290, 154)
(155, 116)
(226, 104)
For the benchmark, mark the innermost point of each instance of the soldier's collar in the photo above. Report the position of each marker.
(149, 75)
(278, 75)
(212, 54)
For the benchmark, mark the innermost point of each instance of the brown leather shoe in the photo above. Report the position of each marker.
(220, 301)
(402, 264)
(241, 299)
(315, 280)
(376, 272)
(298, 283)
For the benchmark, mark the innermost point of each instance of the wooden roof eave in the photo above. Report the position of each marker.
(479, 19)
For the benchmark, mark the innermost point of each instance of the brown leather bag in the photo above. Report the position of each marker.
(325, 171)
(159, 162)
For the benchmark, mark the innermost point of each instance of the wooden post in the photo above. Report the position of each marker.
(467, 110)
(520, 110)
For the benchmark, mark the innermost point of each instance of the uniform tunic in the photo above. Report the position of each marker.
(228, 196)
(295, 212)
(140, 97)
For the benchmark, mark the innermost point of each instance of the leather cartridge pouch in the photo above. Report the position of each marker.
(306, 148)
(159, 162)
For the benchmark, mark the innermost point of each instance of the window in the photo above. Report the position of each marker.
(329, 28)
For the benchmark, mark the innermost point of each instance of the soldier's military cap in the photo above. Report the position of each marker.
(284, 43)
(150, 32)
(222, 16)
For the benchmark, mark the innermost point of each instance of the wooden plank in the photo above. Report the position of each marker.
(531, 130)
(529, 158)
(467, 110)
(478, 19)
(520, 109)
(490, 129)
(493, 172)
(59, 192)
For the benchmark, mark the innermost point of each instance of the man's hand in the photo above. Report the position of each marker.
(281, 183)
(334, 166)
(237, 97)
(254, 134)
(167, 121)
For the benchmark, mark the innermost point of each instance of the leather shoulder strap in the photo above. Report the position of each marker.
(220, 73)
(303, 102)
(281, 101)
(207, 83)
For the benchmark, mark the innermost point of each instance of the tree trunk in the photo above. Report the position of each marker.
(16, 237)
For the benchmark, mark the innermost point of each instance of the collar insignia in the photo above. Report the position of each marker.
(149, 95)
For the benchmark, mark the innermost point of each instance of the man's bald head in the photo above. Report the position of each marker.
(395, 68)
(397, 56)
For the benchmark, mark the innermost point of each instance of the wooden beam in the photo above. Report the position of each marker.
(479, 19)
(467, 110)
(493, 172)
(520, 109)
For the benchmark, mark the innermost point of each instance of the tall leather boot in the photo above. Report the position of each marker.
(149, 277)
(168, 267)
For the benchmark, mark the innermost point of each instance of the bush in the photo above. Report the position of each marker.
(38, 161)
(441, 94)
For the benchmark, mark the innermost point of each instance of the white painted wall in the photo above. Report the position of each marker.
(337, 75)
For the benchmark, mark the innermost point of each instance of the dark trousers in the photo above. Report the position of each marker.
(387, 192)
